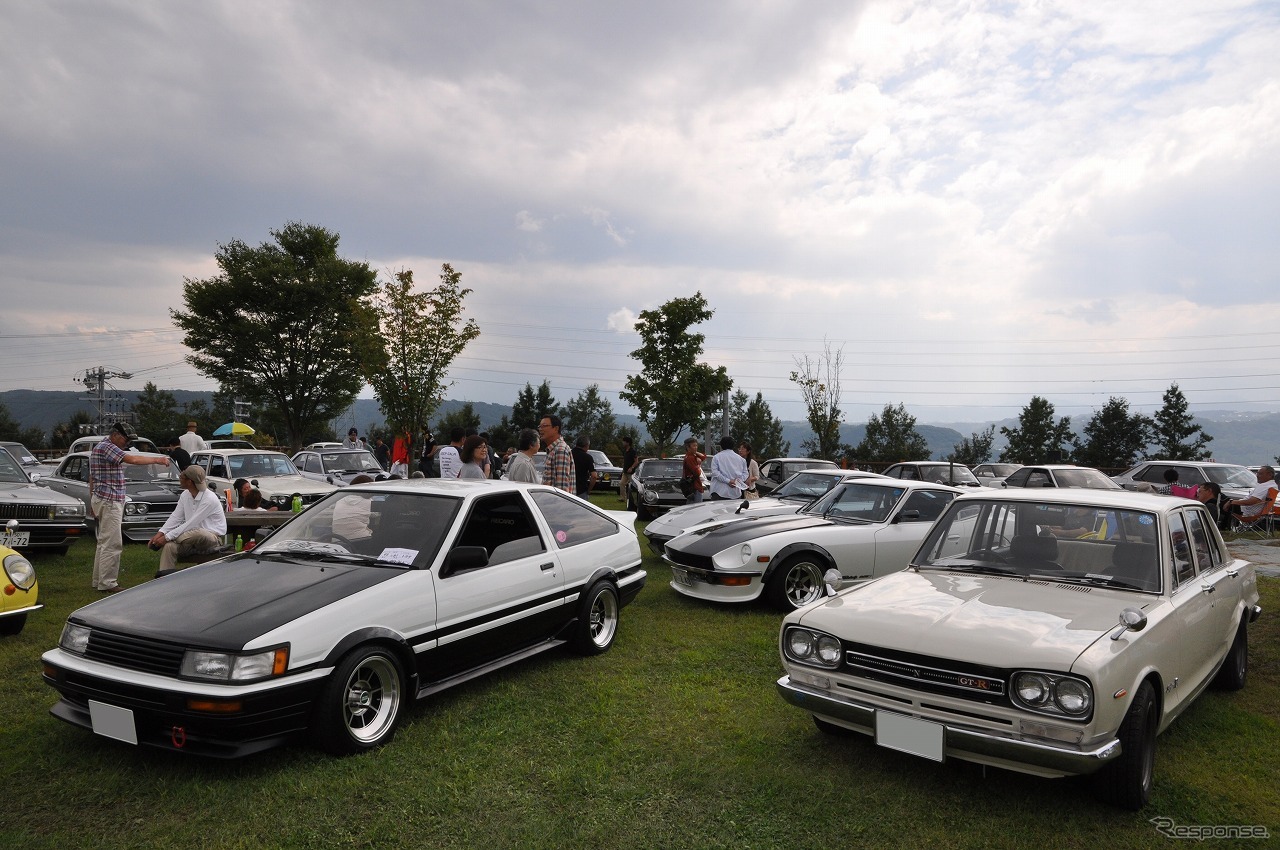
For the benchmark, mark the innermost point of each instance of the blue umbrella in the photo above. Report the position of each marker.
(233, 429)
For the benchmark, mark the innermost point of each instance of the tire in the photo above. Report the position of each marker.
(796, 583)
(1235, 667)
(360, 705)
(597, 624)
(12, 625)
(643, 512)
(832, 729)
(1126, 782)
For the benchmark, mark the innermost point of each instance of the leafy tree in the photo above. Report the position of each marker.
(66, 433)
(10, 429)
(891, 437)
(502, 435)
(591, 414)
(819, 382)
(1038, 438)
(1172, 427)
(752, 420)
(287, 325)
(974, 449)
(422, 333)
(673, 389)
(156, 414)
(1114, 437)
(531, 406)
(464, 417)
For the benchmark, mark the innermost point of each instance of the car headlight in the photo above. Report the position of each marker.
(650, 496)
(19, 571)
(1052, 693)
(74, 638)
(807, 646)
(235, 666)
(135, 508)
(76, 510)
(745, 553)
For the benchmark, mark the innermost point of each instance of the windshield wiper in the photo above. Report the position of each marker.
(327, 555)
(1090, 578)
(980, 569)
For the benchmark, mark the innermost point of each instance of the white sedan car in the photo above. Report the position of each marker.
(796, 492)
(863, 528)
(380, 594)
(272, 473)
(1050, 632)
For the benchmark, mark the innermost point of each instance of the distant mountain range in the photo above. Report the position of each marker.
(1238, 437)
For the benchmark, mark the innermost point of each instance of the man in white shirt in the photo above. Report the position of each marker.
(1252, 504)
(197, 524)
(191, 442)
(728, 471)
(450, 460)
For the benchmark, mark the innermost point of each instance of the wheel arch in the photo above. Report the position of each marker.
(381, 637)
(786, 552)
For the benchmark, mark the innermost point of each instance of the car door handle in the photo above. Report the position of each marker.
(1208, 588)
(547, 566)
(1233, 573)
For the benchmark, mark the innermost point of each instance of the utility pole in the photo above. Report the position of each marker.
(110, 409)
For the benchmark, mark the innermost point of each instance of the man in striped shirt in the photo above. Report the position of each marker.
(106, 502)
(559, 471)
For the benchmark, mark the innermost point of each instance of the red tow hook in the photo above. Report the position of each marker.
(178, 736)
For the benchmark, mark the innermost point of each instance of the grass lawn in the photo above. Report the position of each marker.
(675, 738)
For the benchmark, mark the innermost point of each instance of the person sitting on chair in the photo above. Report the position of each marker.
(1250, 506)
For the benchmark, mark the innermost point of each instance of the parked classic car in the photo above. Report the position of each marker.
(21, 591)
(379, 594)
(1060, 475)
(994, 474)
(271, 472)
(778, 469)
(337, 466)
(32, 465)
(1235, 480)
(151, 493)
(48, 519)
(939, 472)
(228, 443)
(1052, 632)
(797, 491)
(655, 487)
(863, 528)
(135, 444)
(608, 473)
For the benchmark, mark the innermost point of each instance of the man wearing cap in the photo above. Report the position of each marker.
(191, 441)
(106, 502)
(352, 441)
(197, 523)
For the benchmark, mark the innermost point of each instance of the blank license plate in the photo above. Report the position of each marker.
(18, 538)
(909, 735)
(113, 722)
(681, 577)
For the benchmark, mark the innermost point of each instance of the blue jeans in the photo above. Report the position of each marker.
(694, 498)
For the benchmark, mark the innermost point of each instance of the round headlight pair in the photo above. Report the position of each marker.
(810, 647)
(1054, 694)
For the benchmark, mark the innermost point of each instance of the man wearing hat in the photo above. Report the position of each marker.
(192, 442)
(106, 502)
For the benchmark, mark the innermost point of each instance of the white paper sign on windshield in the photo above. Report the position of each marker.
(398, 556)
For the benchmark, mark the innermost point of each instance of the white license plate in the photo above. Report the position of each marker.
(18, 538)
(681, 577)
(113, 722)
(909, 735)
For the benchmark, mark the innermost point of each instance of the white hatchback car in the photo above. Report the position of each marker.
(1051, 632)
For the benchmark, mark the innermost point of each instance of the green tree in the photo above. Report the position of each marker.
(464, 417)
(422, 334)
(1038, 438)
(66, 433)
(673, 390)
(286, 325)
(1174, 431)
(751, 420)
(157, 415)
(974, 449)
(531, 406)
(1113, 437)
(891, 437)
(591, 414)
(819, 382)
(11, 429)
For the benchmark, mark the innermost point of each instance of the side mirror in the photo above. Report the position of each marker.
(832, 580)
(1131, 620)
(746, 503)
(463, 558)
(907, 516)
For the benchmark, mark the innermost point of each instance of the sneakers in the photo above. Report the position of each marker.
(115, 589)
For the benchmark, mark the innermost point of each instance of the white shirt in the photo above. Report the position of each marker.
(203, 511)
(192, 442)
(1259, 492)
(728, 466)
(450, 462)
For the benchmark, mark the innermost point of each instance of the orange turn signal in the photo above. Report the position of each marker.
(214, 706)
(735, 581)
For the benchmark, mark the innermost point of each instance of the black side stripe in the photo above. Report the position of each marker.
(439, 634)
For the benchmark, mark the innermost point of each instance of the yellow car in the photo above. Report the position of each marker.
(19, 591)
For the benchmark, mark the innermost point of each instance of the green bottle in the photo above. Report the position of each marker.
(239, 543)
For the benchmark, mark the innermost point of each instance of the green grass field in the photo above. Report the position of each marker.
(675, 738)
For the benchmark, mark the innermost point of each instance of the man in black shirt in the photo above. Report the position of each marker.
(629, 462)
(584, 467)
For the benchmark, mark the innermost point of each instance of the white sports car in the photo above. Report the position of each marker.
(864, 528)
(376, 595)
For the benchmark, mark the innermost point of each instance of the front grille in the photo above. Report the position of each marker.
(148, 656)
(685, 559)
(935, 675)
(12, 511)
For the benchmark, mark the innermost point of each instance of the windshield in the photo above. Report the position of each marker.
(997, 470)
(661, 468)
(806, 486)
(151, 472)
(947, 473)
(377, 528)
(261, 465)
(599, 457)
(10, 471)
(1231, 476)
(1046, 541)
(1090, 479)
(857, 502)
(360, 461)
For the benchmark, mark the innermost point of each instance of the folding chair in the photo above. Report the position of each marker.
(1261, 524)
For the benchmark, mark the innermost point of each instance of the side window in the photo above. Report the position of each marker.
(907, 473)
(1153, 474)
(503, 525)
(75, 469)
(1184, 569)
(1204, 543)
(571, 521)
(202, 461)
(773, 471)
(929, 504)
(1039, 478)
(1018, 478)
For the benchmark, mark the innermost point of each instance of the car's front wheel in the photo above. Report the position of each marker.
(1126, 782)
(598, 620)
(796, 583)
(361, 702)
(1235, 667)
(12, 625)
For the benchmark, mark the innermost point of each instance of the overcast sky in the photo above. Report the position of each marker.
(975, 202)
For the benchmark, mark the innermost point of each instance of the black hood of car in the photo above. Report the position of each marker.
(714, 540)
(226, 604)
